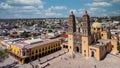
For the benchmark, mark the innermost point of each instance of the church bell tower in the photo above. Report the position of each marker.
(71, 31)
(86, 34)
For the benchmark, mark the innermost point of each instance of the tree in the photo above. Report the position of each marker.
(3, 55)
(118, 48)
(25, 34)
(49, 31)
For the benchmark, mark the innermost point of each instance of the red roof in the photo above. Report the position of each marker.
(64, 35)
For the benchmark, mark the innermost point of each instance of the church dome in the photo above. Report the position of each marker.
(96, 25)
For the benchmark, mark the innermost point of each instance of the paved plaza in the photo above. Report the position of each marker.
(61, 59)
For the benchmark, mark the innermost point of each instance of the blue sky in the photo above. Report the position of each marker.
(57, 8)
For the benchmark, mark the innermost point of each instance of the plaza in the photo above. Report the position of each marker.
(65, 60)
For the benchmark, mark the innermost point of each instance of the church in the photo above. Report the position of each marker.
(90, 40)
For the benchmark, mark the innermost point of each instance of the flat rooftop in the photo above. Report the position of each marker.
(102, 42)
(34, 43)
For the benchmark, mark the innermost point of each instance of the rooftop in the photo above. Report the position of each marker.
(101, 42)
(34, 43)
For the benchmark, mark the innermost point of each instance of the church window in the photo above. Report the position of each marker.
(84, 50)
(98, 28)
(112, 46)
(102, 34)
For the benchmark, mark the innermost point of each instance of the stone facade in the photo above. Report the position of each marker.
(92, 41)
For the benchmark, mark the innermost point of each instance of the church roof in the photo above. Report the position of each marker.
(96, 25)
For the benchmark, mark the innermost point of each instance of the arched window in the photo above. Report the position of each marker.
(48, 47)
(45, 48)
(36, 51)
(32, 52)
(39, 50)
(42, 49)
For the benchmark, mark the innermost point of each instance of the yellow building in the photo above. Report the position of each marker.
(28, 50)
(95, 40)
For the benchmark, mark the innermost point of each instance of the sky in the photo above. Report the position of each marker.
(57, 8)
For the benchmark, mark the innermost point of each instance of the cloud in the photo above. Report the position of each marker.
(101, 4)
(25, 1)
(5, 6)
(53, 14)
(74, 11)
(117, 12)
(92, 11)
(116, 1)
(102, 0)
(55, 11)
(56, 8)
(97, 9)
(40, 8)
(21, 8)
(110, 1)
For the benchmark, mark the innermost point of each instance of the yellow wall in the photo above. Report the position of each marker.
(53, 45)
(46, 47)
(70, 43)
(15, 49)
(0, 41)
(97, 52)
(104, 35)
(85, 46)
(114, 44)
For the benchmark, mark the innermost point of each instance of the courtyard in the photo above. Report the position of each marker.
(65, 60)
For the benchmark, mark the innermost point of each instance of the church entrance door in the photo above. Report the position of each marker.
(77, 49)
(92, 54)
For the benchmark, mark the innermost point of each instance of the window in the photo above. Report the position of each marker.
(84, 50)
(56, 44)
(48, 47)
(36, 51)
(98, 28)
(112, 46)
(42, 49)
(102, 34)
(23, 53)
(45, 48)
(39, 50)
(32, 52)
